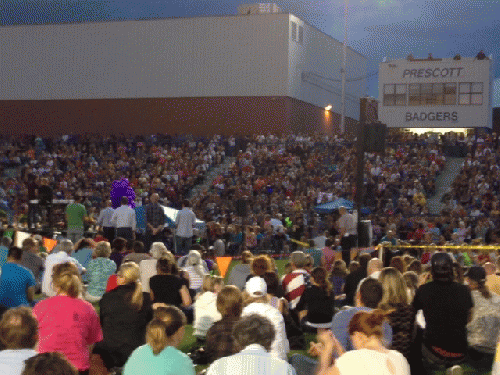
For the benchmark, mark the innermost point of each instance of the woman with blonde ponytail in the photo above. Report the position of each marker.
(125, 311)
(66, 323)
(160, 354)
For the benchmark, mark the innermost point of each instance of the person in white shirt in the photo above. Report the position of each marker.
(256, 288)
(104, 221)
(205, 306)
(255, 334)
(195, 270)
(184, 222)
(123, 220)
(320, 240)
(62, 256)
(348, 233)
(18, 338)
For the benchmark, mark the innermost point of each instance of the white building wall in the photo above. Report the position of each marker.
(320, 54)
(193, 57)
(466, 70)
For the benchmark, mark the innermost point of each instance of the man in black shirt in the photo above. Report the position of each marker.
(447, 308)
(155, 221)
(45, 199)
(32, 186)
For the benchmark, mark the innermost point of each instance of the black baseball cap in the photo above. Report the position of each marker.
(442, 267)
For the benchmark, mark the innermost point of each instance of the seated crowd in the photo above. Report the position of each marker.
(417, 315)
(287, 176)
(93, 306)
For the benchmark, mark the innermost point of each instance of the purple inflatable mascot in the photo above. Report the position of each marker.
(121, 188)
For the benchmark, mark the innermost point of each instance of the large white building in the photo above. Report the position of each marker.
(260, 70)
(436, 93)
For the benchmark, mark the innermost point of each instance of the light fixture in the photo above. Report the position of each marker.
(328, 107)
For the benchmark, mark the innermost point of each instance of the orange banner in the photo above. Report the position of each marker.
(223, 264)
(49, 244)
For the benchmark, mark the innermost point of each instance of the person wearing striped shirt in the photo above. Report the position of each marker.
(296, 282)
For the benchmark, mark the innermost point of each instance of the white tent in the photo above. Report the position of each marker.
(171, 214)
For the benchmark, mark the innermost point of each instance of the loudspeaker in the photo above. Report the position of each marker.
(374, 137)
(241, 207)
(365, 233)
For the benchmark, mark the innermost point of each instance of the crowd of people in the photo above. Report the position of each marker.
(475, 191)
(271, 178)
(86, 166)
(118, 298)
(288, 175)
(414, 316)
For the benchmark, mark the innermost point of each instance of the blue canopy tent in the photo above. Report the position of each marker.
(328, 208)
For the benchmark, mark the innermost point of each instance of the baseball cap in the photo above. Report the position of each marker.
(256, 287)
(476, 273)
(442, 267)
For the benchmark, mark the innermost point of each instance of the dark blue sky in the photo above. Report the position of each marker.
(377, 28)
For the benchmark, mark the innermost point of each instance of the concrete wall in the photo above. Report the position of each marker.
(188, 57)
(206, 75)
(198, 116)
(322, 55)
(437, 71)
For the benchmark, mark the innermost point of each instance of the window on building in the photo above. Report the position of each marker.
(470, 93)
(300, 37)
(437, 97)
(432, 94)
(394, 95)
(450, 93)
(294, 31)
(414, 94)
(297, 33)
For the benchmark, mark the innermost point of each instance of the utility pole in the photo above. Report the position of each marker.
(342, 70)
(360, 159)
(370, 138)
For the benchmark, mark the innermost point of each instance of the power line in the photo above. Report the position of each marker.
(347, 80)
(349, 97)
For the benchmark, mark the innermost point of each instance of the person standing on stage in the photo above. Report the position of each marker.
(348, 233)
(104, 221)
(123, 220)
(75, 216)
(155, 220)
(45, 195)
(32, 186)
(184, 222)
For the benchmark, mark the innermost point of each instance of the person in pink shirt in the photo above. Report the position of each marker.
(68, 324)
(328, 257)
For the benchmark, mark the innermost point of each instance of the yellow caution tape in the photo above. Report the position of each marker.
(450, 247)
(305, 244)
